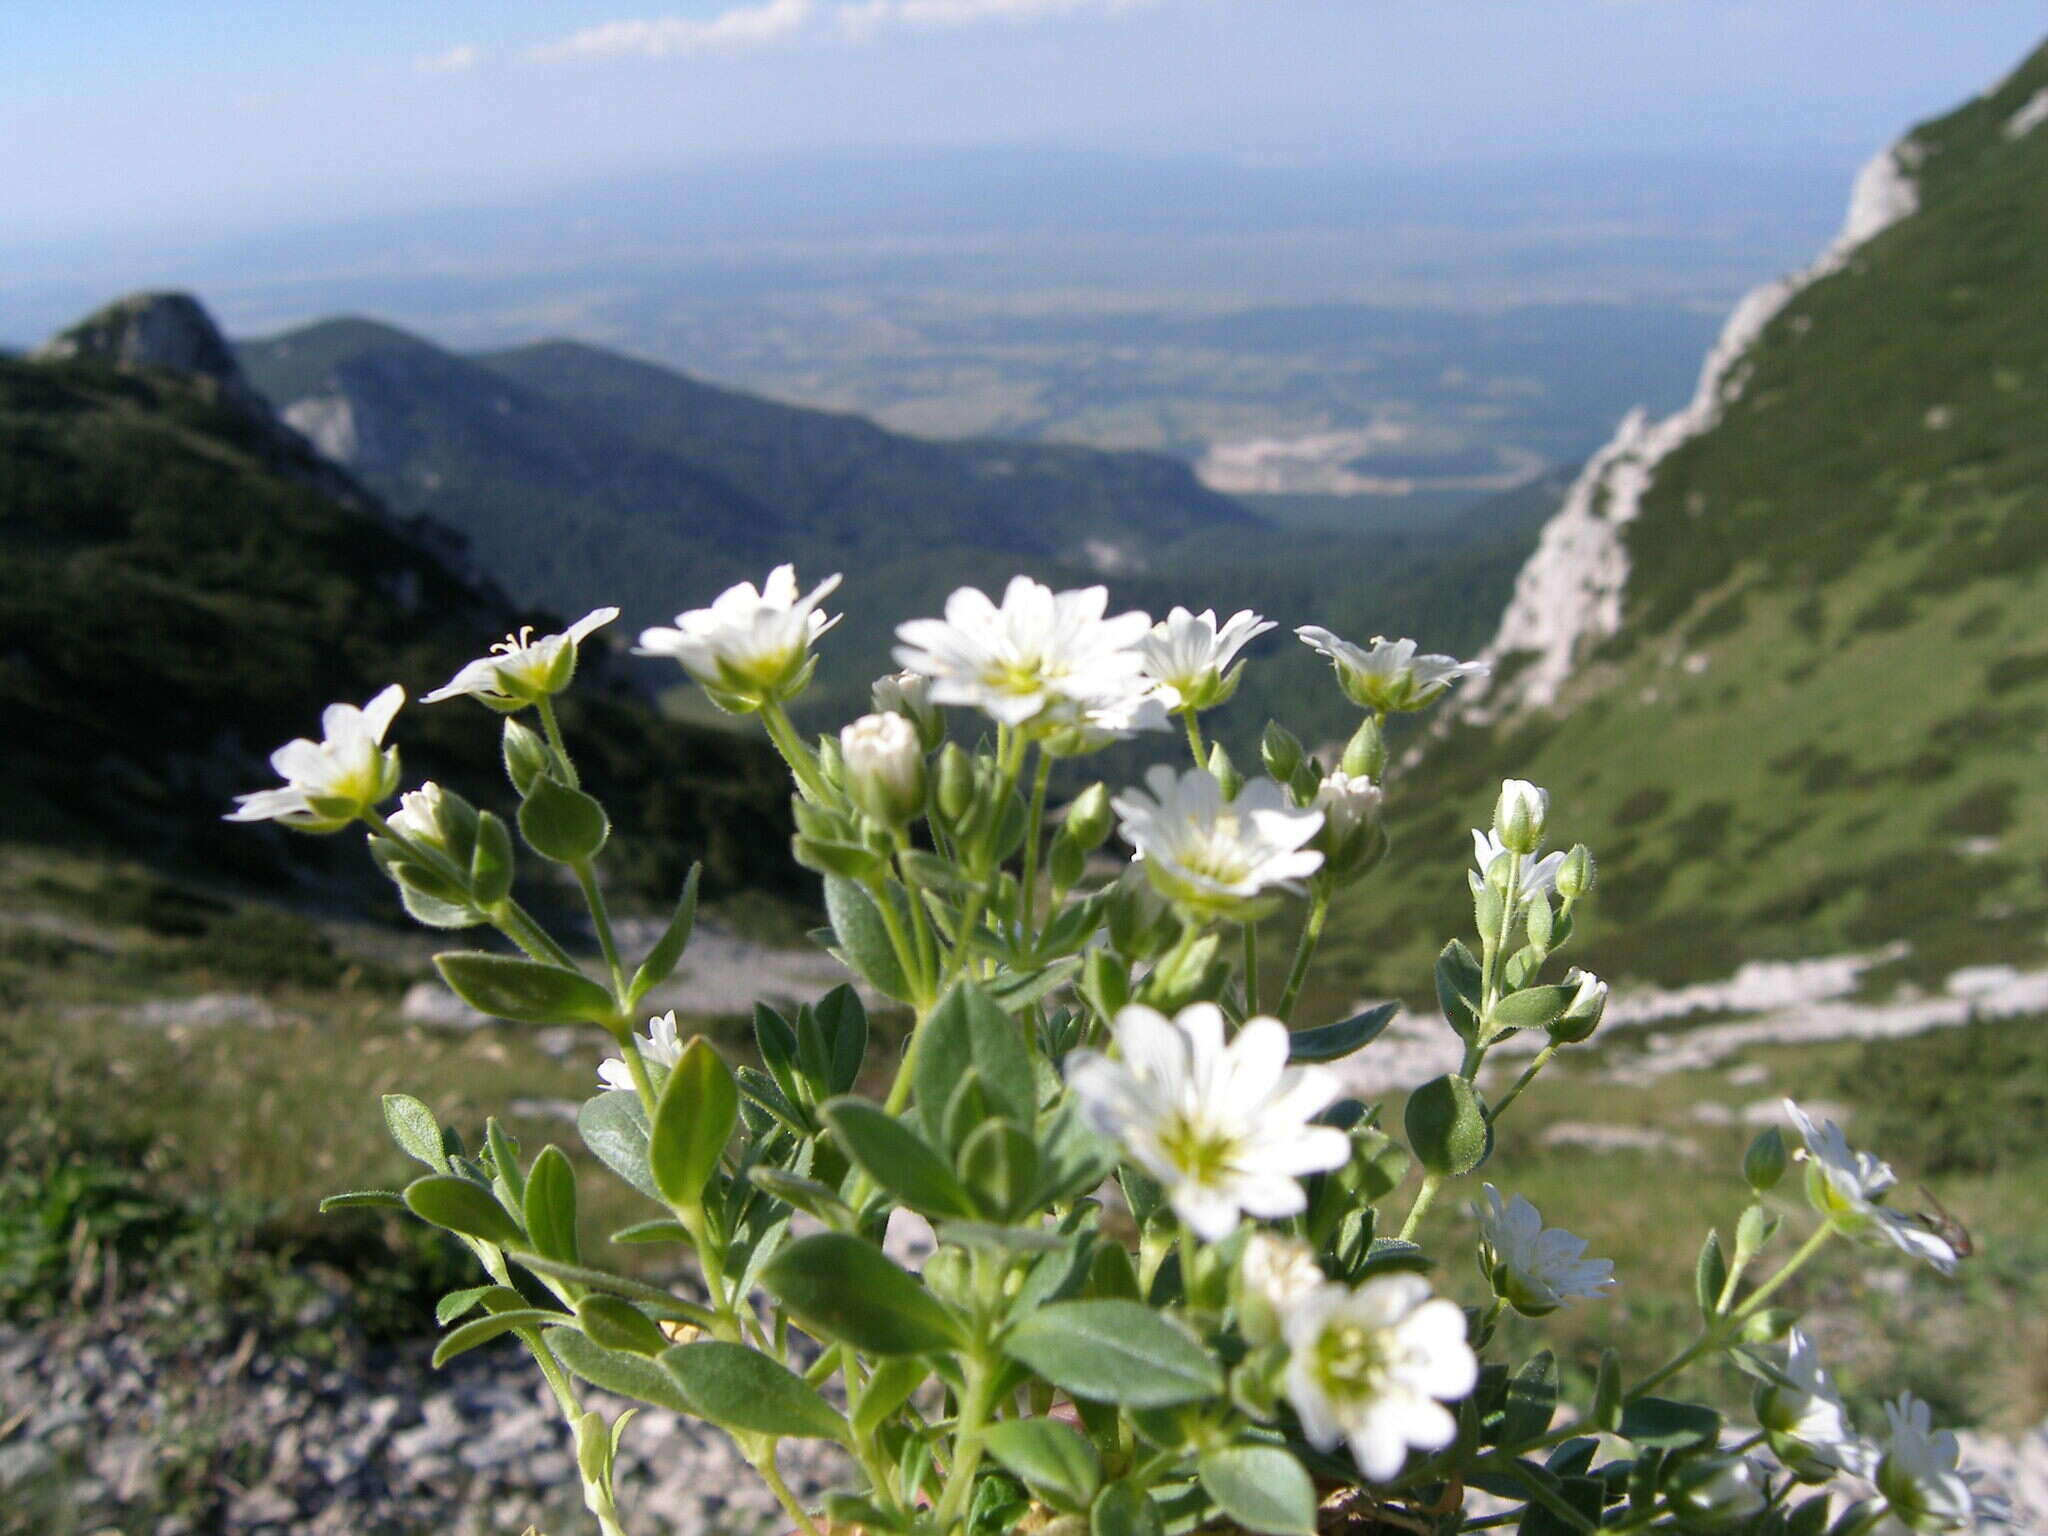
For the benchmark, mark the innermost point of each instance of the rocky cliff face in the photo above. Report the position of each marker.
(158, 330)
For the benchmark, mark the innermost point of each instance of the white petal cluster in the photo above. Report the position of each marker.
(1188, 656)
(1038, 650)
(1213, 855)
(1347, 800)
(1534, 1267)
(521, 669)
(1538, 876)
(1918, 1473)
(748, 648)
(1390, 676)
(660, 1047)
(1846, 1186)
(330, 782)
(884, 766)
(1224, 1126)
(1803, 1410)
(1369, 1366)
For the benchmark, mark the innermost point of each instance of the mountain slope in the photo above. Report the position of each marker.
(580, 476)
(181, 590)
(1781, 661)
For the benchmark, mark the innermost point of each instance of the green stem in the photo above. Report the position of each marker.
(772, 1476)
(1195, 738)
(796, 753)
(553, 727)
(508, 917)
(1528, 1076)
(1425, 1197)
(899, 1090)
(600, 919)
(1305, 950)
(1718, 1331)
(907, 954)
(1033, 828)
(974, 1407)
(920, 920)
(1251, 968)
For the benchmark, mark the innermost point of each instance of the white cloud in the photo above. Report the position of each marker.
(863, 18)
(459, 60)
(661, 37)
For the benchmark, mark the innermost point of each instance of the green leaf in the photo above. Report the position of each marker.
(1458, 986)
(526, 991)
(551, 1206)
(1531, 1008)
(460, 1206)
(456, 1303)
(1054, 1461)
(847, 1289)
(863, 940)
(1531, 1401)
(1072, 1157)
(504, 1150)
(612, 1370)
(490, 866)
(844, 1019)
(483, 1329)
(1606, 1412)
(699, 1106)
(889, 1388)
(561, 823)
(1115, 1352)
(807, 1195)
(1329, 1042)
(653, 1298)
(1659, 1424)
(1446, 1124)
(618, 1324)
(414, 1128)
(1262, 1488)
(356, 1197)
(999, 1163)
(1709, 1274)
(1121, 1510)
(661, 1230)
(675, 938)
(967, 1029)
(897, 1158)
(742, 1389)
(614, 1127)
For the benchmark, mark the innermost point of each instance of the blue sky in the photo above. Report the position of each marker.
(122, 116)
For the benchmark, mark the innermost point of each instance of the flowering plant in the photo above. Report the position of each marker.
(1181, 1279)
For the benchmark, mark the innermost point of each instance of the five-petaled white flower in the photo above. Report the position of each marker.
(1390, 676)
(1274, 1275)
(1803, 1411)
(329, 783)
(1918, 1474)
(1038, 649)
(1188, 656)
(1535, 1268)
(1214, 856)
(1845, 1186)
(660, 1047)
(1538, 876)
(1368, 1367)
(1068, 729)
(748, 648)
(522, 670)
(1224, 1126)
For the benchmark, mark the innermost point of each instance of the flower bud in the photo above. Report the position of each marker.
(1712, 1493)
(1273, 1275)
(1576, 874)
(1087, 820)
(1225, 771)
(1365, 754)
(526, 755)
(1583, 1013)
(883, 769)
(1519, 816)
(909, 694)
(439, 818)
(955, 782)
(1351, 840)
(1280, 751)
(1766, 1160)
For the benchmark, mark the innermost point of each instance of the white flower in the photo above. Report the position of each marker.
(659, 1047)
(1224, 1127)
(884, 767)
(1534, 1267)
(1804, 1413)
(1073, 730)
(1538, 877)
(1390, 676)
(1588, 1006)
(1039, 648)
(420, 815)
(1188, 655)
(331, 782)
(1216, 856)
(909, 695)
(748, 648)
(1347, 800)
(520, 669)
(1845, 1186)
(1367, 1366)
(1919, 1477)
(1274, 1275)
(1519, 815)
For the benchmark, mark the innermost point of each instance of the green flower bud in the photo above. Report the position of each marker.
(1280, 751)
(955, 783)
(1764, 1164)
(1365, 755)
(1519, 815)
(1088, 817)
(1225, 771)
(1576, 874)
(526, 756)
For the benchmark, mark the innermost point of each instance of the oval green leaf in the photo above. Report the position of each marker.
(700, 1105)
(1053, 1460)
(525, 991)
(897, 1158)
(459, 1206)
(742, 1389)
(1261, 1487)
(1115, 1352)
(847, 1289)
